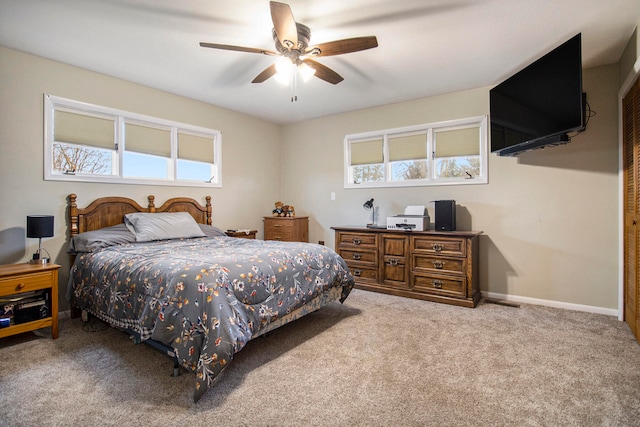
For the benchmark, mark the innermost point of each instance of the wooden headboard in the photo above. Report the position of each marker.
(108, 211)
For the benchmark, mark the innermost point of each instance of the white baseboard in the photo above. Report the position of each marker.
(549, 303)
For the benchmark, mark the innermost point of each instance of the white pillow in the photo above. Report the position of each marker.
(162, 226)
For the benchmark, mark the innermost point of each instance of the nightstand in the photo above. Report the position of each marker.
(16, 279)
(243, 234)
(286, 229)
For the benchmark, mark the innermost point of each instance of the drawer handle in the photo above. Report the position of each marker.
(438, 264)
(20, 286)
(437, 284)
(277, 225)
(357, 273)
(357, 256)
(436, 247)
(357, 241)
(393, 262)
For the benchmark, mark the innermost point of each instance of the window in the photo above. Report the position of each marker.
(195, 156)
(457, 153)
(408, 156)
(367, 160)
(452, 152)
(86, 142)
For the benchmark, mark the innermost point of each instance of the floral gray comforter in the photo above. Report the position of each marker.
(205, 297)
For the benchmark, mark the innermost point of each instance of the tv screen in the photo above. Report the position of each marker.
(541, 104)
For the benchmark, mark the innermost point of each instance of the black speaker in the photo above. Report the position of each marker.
(445, 215)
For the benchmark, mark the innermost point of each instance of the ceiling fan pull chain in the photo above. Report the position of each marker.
(293, 84)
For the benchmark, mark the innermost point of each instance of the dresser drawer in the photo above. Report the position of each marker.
(440, 285)
(362, 240)
(452, 246)
(363, 256)
(25, 283)
(364, 273)
(282, 232)
(438, 264)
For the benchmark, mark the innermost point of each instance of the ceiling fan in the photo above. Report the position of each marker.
(292, 43)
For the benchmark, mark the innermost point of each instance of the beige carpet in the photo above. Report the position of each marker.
(377, 360)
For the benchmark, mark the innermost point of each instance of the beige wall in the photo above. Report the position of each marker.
(630, 56)
(250, 153)
(549, 217)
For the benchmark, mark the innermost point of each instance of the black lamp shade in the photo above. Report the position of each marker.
(368, 204)
(40, 226)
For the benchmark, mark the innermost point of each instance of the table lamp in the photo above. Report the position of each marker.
(368, 205)
(40, 226)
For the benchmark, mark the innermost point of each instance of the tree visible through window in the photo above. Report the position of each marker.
(69, 159)
(368, 173)
(409, 170)
(459, 168)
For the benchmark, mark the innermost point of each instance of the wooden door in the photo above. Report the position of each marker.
(631, 165)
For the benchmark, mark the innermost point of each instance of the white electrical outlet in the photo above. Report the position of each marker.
(333, 195)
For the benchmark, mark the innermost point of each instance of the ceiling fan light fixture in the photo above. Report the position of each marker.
(284, 70)
(306, 72)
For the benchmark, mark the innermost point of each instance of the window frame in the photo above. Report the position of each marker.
(429, 129)
(121, 118)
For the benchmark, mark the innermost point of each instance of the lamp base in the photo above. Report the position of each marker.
(38, 259)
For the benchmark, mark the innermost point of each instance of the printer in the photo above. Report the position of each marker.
(415, 218)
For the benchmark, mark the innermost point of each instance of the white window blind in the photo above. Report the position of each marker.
(458, 142)
(407, 147)
(196, 148)
(367, 152)
(147, 140)
(84, 129)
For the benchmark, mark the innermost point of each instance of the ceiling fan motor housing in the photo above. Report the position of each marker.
(304, 35)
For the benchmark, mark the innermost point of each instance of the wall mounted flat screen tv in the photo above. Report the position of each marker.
(540, 105)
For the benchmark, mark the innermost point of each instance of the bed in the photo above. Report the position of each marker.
(190, 289)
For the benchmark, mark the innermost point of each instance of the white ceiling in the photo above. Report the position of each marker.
(426, 47)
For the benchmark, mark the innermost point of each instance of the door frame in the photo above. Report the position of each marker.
(633, 75)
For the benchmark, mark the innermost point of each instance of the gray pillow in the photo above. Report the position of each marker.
(91, 241)
(161, 226)
(211, 231)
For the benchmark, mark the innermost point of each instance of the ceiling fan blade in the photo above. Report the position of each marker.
(284, 24)
(323, 72)
(238, 48)
(265, 74)
(338, 47)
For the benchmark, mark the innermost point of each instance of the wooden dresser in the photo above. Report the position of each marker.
(286, 229)
(431, 265)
